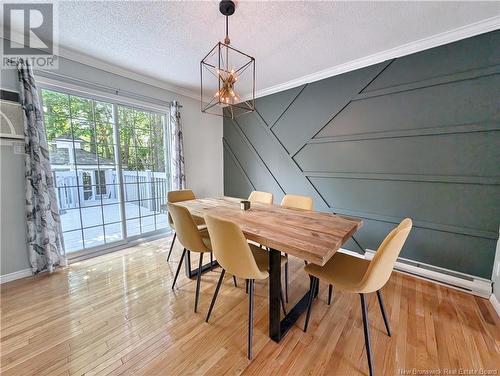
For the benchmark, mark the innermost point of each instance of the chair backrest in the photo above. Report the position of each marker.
(297, 202)
(186, 229)
(382, 264)
(259, 196)
(177, 196)
(231, 249)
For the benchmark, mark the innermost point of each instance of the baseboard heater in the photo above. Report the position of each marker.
(460, 281)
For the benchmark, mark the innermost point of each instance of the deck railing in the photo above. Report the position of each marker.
(145, 188)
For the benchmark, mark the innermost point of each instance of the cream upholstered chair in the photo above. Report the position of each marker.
(295, 202)
(239, 258)
(177, 196)
(192, 239)
(358, 275)
(259, 196)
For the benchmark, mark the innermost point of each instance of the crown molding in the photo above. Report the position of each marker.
(450, 36)
(127, 73)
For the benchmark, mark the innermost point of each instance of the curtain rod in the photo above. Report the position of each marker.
(104, 88)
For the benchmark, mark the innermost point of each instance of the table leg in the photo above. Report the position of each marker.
(192, 273)
(277, 327)
(274, 294)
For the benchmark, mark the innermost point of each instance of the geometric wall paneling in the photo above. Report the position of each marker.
(416, 136)
(235, 178)
(271, 109)
(466, 55)
(455, 205)
(278, 162)
(255, 169)
(449, 250)
(449, 155)
(445, 105)
(318, 103)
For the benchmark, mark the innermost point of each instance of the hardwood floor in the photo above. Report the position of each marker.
(116, 314)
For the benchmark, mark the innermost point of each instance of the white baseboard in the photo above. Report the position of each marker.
(16, 275)
(460, 281)
(495, 303)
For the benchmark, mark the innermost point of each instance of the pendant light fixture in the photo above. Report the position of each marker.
(227, 76)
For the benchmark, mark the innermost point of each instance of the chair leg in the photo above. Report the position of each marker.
(215, 294)
(367, 333)
(286, 280)
(384, 315)
(211, 262)
(179, 267)
(246, 287)
(250, 318)
(282, 301)
(330, 292)
(234, 281)
(198, 283)
(314, 282)
(171, 246)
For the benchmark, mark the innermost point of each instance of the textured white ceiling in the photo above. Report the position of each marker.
(166, 40)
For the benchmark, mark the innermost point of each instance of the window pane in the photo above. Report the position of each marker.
(147, 224)
(104, 112)
(57, 126)
(131, 190)
(73, 241)
(55, 104)
(81, 108)
(133, 227)
(161, 221)
(67, 192)
(112, 213)
(93, 236)
(70, 219)
(91, 216)
(132, 209)
(113, 232)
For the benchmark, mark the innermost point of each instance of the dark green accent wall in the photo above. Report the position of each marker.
(417, 136)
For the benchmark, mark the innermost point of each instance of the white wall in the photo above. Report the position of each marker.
(202, 147)
(495, 275)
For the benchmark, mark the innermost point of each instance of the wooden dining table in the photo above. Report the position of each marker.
(309, 235)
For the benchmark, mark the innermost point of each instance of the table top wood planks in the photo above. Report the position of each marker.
(309, 235)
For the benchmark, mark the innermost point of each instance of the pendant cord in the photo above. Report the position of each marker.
(227, 40)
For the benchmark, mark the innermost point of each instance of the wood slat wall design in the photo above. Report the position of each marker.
(416, 136)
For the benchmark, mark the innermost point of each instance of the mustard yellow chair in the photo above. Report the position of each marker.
(262, 197)
(239, 258)
(295, 202)
(360, 276)
(192, 239)
(177, 196)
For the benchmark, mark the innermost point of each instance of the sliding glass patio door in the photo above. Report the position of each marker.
(144, 176)
(108, 163)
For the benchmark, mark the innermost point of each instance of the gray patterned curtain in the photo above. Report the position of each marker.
(42, 214)
(177, 176)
